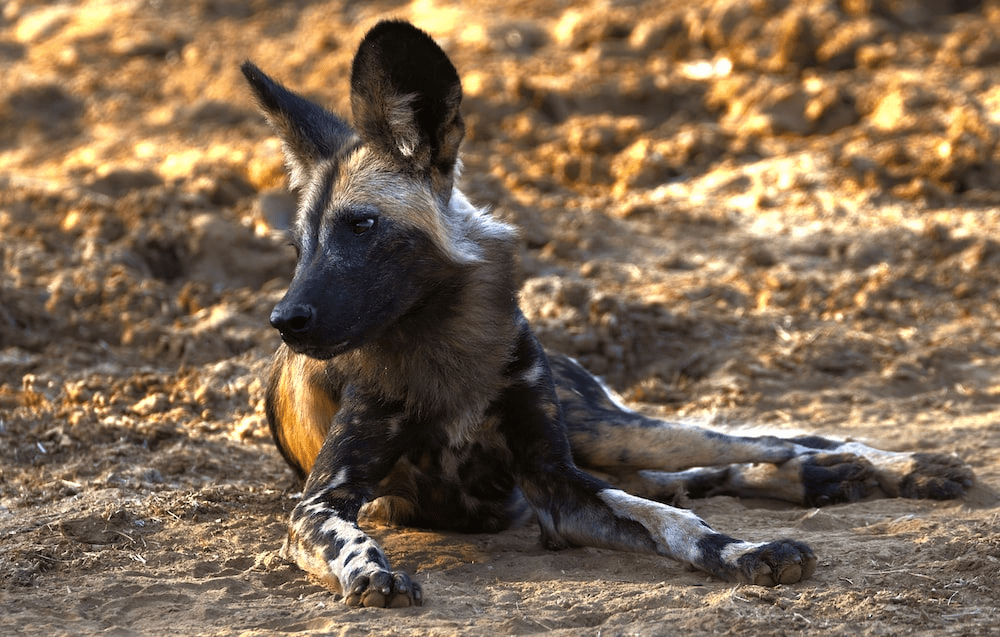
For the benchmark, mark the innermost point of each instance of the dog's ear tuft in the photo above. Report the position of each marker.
(405, 94)
(309, 133)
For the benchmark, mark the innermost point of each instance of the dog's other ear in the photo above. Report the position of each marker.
(309, 133)
(405, 95)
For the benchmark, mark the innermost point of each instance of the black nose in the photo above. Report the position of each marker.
(294, 319)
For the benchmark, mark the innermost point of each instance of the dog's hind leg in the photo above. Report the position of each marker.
(936, 476)
(663, 460)
(813, 479)
(851, 472)
(606, 435)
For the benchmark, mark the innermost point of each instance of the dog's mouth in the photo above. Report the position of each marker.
(319, 352)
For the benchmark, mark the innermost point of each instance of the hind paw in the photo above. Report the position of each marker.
(936, 476)
(829, 478)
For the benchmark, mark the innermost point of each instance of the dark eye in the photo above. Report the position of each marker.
(361, 226)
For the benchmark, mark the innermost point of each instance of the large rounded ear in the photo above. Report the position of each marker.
(405, 95)
(309, 133)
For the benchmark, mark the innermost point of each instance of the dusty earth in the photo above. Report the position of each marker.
(776, 212)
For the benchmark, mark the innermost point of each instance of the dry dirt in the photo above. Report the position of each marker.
(776, 212)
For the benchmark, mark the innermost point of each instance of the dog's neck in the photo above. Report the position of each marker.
(422, 359)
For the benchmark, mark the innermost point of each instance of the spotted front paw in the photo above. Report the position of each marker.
(383, 589)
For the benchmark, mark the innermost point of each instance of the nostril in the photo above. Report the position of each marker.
(293, 319)
(298, 323)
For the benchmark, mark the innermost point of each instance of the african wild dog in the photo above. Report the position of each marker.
(410, 389)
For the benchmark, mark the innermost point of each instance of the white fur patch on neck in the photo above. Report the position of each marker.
(468, 225)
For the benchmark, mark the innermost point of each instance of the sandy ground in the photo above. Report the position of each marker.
(776, 212)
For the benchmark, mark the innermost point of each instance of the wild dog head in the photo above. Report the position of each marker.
(379, 223)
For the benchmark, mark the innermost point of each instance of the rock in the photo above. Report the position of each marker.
(839, 50)
(641, 165)
(152, 404)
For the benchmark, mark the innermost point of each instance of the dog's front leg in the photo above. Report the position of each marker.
(323, 535)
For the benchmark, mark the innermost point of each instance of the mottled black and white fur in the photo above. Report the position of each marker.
(409, 387)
